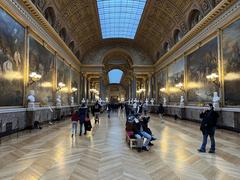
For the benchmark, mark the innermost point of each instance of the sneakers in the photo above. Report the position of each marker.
(201, 150)
(150, 144)
(145, 148)
(153, 138)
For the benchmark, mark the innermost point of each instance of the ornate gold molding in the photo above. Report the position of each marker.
(201, 29)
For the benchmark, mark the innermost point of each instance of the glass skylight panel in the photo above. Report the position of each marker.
(120, 18)
(115, 76)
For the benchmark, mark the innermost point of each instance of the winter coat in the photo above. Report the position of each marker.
(82, 114)
(209, 121)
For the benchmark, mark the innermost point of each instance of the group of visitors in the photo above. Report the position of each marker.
(82, 116)
(137, 126)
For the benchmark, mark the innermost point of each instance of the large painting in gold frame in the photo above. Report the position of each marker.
(12, 40)
(231, 61)
(200, 63)
(41, 61)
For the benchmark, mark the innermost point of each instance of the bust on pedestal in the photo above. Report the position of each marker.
(152, 101)
(182, 101)
(31, 99)
(100, 101)
(216, 100)
(83, 101)
(147, 101)
(72, 101)
(164, 101)
(58, 101)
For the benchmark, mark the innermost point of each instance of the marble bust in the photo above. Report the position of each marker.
(83, 100)
(31, 96)
(72, 100)
(181, 101)
(146, 101)
(164, 101)
(152, 101)
(31, 99)
(216, 100)
(58, 100)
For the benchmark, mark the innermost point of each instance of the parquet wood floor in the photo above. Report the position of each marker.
(51, 153)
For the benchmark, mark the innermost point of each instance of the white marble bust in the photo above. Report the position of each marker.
(152, 101)
(31, 96)
(181, 101)
(164, 101)
(83, 100)
(72, 100)
(146, 101)
(216, 100)
(58, 100)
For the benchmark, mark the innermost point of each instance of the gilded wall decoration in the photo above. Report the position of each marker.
(231, 58)
(175, 76)
(63, 77)
(75, 79)
(41, 61)
(11, 61)
(201, 63)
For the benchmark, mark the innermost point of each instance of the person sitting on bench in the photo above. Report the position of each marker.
(139, 133)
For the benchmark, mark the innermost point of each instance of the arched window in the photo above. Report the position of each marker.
(78, 54)
(63, 34)
(194, 18)
(166, 46)
(50, 16)
(115, 76)
(177, 35)
(71, 45)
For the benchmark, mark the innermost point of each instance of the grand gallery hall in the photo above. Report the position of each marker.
(120, 89)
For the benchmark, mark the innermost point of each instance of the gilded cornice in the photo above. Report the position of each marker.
(42, 24)
(196, 34)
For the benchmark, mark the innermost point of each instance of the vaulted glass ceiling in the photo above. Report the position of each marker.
(115, 76)
(120, 18)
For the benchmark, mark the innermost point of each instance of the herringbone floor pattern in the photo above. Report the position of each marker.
(51, 153)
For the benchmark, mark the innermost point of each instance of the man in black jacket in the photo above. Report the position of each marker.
(208, 126)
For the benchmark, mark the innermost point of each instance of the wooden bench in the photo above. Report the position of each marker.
(131, 141)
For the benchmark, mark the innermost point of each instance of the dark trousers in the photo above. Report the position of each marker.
(211, 134)
(81, 127)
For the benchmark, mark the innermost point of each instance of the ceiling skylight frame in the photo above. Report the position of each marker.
(120, 18)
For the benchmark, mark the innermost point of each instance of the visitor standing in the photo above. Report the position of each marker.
(82, 116)
(97, 108)
(208, 127)
(161, 112)
(74, 119)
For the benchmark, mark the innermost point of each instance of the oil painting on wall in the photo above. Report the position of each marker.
(200, 64)
(231, 58)
(162, 84)
(175, 77)
(63, 77)
(11, 61)
(41, 61)
(75, 85)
